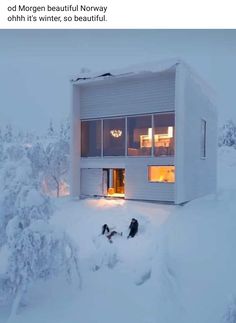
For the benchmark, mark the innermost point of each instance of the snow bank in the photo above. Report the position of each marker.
(226, 168)
(179, 268)
(4, 256)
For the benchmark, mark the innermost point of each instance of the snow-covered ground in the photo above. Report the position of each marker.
(181, 266)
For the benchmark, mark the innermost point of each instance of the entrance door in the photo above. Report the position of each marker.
(114, 182)
(119, 181)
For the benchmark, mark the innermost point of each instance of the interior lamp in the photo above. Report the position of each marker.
(116, 133)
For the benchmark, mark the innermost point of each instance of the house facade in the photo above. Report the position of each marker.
(146, 135)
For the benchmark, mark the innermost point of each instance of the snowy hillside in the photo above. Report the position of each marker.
(179, 268)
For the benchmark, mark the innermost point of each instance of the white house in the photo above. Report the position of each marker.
(148, 134)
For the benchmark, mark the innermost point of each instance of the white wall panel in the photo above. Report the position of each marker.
(91, 181)
(129, 95)
(197, 176)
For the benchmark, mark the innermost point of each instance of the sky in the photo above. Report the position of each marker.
(36, 66)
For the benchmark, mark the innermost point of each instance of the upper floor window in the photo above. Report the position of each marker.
(145, 135)
(203, 138)
(139, 136)
(91, 138)
(164, 126)
(114, 137)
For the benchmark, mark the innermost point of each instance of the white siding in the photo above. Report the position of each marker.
(138, 186)
(75, 144)
(197, 176)
(128, 95)
(141, 94)
(91, 181)
(136, 177)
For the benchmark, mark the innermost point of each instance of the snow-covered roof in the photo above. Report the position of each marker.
(147, 68)
(151, 67)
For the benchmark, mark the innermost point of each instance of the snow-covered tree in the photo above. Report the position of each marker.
(50, 131)
(230, 314)
(1, 137)
(1, 148)
(57, 163)
(227, 136)
(37, 155)
(14, 175)
(35, 249)
(64, 133)
(37, 252)
(8, 135)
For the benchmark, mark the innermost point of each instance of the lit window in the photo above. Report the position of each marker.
(161, 174)
(164, 134)
(139, 136)
(203, 138)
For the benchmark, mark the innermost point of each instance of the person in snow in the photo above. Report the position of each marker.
(109, 234)
(133, 228)
(105, 229)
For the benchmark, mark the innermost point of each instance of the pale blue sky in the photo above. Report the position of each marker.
(36, 65)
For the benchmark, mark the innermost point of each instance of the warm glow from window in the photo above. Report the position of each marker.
(146, 140)
(150, 133)
(162, 139)
(162, 174)
(170, 132)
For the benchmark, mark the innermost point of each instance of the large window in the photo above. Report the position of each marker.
(161, 174)
(164, 134)
(203, 138)
(91, 138)
(114, 137)
(139, 136)
(145, 135)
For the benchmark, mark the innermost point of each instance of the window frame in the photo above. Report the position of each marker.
(127, 131)
(203, 139)
(113, 118)
(155, 148)
(152, 152)
(101, 142)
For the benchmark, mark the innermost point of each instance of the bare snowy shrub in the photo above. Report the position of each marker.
(57, 164)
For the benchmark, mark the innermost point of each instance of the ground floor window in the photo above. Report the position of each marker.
(161, 174)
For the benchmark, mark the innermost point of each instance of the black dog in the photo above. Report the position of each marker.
(133, 228)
